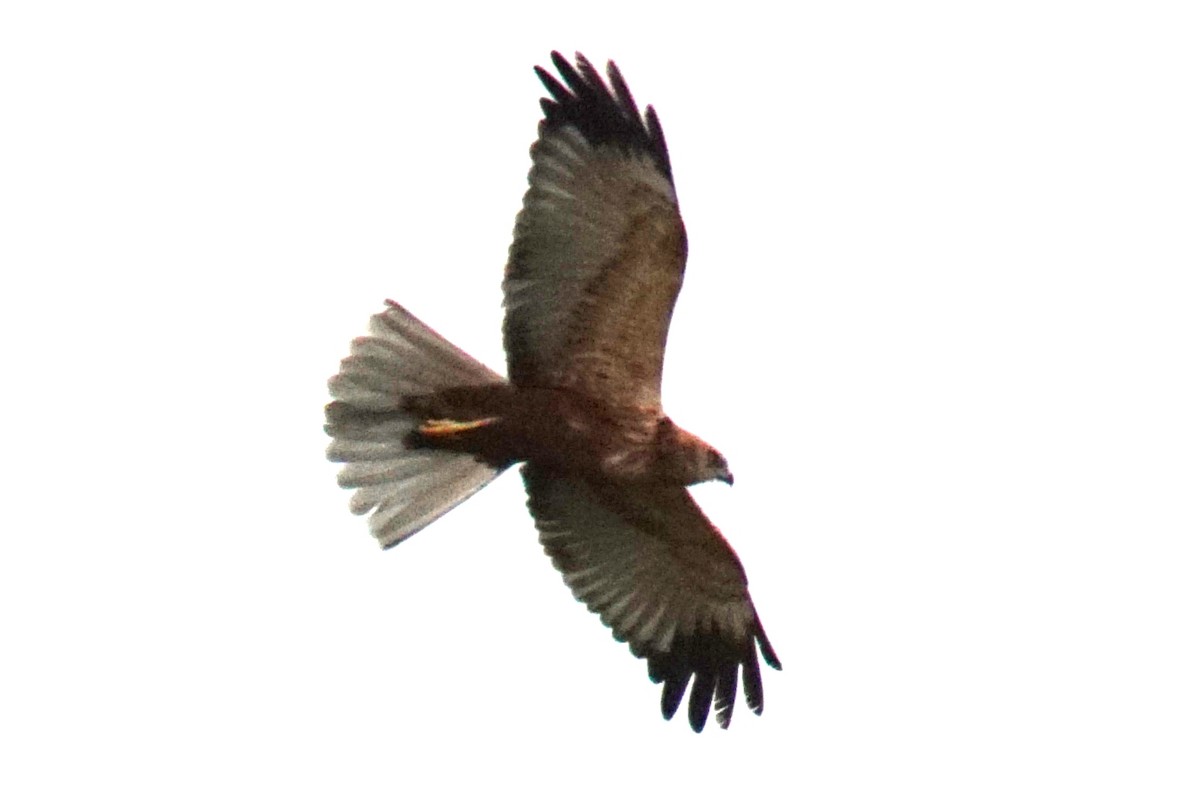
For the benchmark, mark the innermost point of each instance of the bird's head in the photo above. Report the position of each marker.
(686, 458)
(716, 468)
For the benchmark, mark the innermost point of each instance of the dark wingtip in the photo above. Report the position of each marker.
(551, 83)
(560, 62)
(764, 645)
(726, 694)
(672, 695)
(701, 700)
(710, 663)
(604, 115)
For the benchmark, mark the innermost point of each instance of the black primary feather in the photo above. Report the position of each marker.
(604, 116)
(710, 660)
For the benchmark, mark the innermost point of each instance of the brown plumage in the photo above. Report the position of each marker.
(596, 263)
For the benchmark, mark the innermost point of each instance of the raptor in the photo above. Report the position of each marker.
(596, 264)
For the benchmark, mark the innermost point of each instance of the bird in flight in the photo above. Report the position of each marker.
(596, 263)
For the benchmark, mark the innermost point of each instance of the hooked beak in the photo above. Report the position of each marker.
(726, 477)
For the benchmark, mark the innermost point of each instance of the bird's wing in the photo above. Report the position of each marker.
(647, 560)
(599, 247)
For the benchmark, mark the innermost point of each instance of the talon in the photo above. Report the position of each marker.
(449, 427)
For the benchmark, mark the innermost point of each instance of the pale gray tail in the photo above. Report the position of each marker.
(406, 489)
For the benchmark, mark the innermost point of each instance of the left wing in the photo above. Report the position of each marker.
(647, 560)
(599, 247)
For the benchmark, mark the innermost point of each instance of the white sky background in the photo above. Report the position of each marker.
(940, 314)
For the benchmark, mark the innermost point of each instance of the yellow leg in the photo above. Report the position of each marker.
(449, 427)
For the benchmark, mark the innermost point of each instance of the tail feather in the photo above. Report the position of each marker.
(431, 496)
(439, 364)
(405, 489)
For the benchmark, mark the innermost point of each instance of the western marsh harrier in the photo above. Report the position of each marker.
(596, 263)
